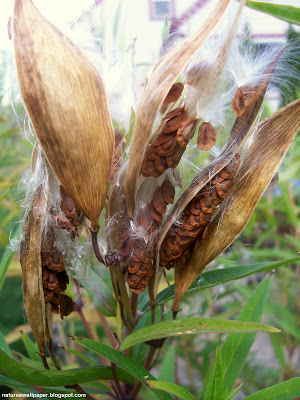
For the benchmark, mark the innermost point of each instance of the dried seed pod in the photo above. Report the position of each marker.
(206, 136)
(67, 105)
(33, 294)
(179, 241)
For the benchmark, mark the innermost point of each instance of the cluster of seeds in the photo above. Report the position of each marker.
(169, 145)
(181, 241)
(140, 265)
(54, 275)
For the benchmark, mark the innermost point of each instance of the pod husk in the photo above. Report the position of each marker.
(30, 258)
(67, 105)
(261, 162)
(160, 82)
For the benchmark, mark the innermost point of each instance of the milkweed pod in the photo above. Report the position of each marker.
(261, 161)
(67, 105)
(30, 258)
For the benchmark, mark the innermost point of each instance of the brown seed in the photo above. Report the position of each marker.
(168, 147)
(207, 205)
(158, 201)
(168, 192)
(173, 160)
(230, 170)
(174, 123)
(238, 103)
(154, 213)
(161, 138)
(185, 130)
(174, 93)
(206, 136)
(173, 113)
(57, 263)
(66, 305)
(223, 188)
(49, 295)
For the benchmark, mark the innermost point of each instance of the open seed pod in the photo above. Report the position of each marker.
(67, 105)
(30, 257)
(261, 162)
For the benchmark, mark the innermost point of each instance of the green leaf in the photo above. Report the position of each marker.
(31, 348)
(6, 381)
(171, 388)
(236, 347)
(288, 390)
(231, 395)
(33, 376)
(192, 326)
(218, 276)
(79, 355)
(126, 363)
(3, 345)
(218, 377)
(289, 14)
(278, 350)
(167, 370)
(7, 257)
(98, 291)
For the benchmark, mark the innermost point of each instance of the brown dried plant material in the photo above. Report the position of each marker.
(120, 143)
(67, 105)
(174, 93)
(238, 135)
(238, 102)
(183, 238)
(160, 82)
(261, 161)
(169, 145)
(30, 258)
(206, 136)
(140, 267)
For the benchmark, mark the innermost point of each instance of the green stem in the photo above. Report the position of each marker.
(124, 296)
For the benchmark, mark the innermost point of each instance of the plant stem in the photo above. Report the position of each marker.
(116, 380)
(124, 296)
(134, 303)
(107, 329)
(147, 366)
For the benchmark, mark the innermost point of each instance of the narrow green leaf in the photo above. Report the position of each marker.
(231, 395)
(79, 355)
(11, 383)
(126, 363)
(218, 276)
(192, 326)
(3, 345)
(26, 374)
(236, 347)
(278, 350)
(288, 390)
(167, 370)
(98, 291)
(7, 257)
(31, 348)
(289, 14)
(218, 377)
(171, 388)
